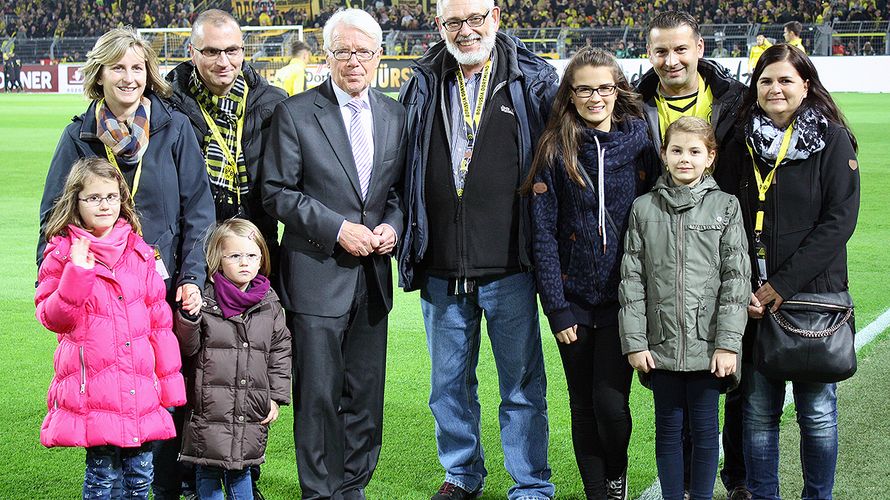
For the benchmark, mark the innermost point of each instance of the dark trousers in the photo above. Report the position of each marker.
(598, 377)
(733, 473)
(339, 371)
(682, 396)
(169, 472)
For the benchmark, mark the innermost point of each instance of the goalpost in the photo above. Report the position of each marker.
(266, 48)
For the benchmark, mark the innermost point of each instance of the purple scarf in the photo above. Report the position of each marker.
(232, 301)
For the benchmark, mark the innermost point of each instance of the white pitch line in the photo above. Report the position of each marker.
(863, 337)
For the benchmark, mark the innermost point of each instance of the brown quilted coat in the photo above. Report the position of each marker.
(234, 368)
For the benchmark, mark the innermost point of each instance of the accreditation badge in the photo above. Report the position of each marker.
(159, 265)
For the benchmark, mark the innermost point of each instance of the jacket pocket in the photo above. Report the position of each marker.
(655, 333)
(706, 322)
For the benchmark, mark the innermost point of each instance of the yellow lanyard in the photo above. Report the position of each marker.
(217, 136)
(113, 160)
(471, 121)
(763, 184)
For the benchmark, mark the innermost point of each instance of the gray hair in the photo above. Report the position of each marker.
(440, 6)
(355, 18)
(215, 17)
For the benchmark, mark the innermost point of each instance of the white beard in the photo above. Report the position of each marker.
(486, 45)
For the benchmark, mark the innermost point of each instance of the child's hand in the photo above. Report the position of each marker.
(723, 363)
(190, 295)
(273, 413)
(641, 361)
(755, 308)
(81, 255)
(568, 335)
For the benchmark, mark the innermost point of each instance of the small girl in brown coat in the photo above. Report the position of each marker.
(238, 358)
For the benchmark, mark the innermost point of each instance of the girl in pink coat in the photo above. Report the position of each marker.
(117, 363)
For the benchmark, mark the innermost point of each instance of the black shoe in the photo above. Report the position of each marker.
(616, 489)
(739, 493)
(451, 491)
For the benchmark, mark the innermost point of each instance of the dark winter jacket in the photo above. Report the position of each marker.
(727, 92)
(261, 101)
(173, 197)
(235, 367)
(571, 265)
(532, 84)
(811, 212)
(684, 276)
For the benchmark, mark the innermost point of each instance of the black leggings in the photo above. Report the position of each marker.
(598, 378)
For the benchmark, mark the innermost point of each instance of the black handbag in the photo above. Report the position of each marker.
(809, 339)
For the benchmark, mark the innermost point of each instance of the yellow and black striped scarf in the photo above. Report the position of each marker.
(225, 112)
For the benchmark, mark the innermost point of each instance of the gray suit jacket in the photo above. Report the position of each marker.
(310, 183)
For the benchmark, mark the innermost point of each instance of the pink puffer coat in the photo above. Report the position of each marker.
(117, 364)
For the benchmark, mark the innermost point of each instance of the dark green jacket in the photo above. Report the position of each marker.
(685, 276)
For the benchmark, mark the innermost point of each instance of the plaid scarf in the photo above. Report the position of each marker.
(128, 141)
(225, 112)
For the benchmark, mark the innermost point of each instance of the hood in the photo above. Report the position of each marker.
(683, 197)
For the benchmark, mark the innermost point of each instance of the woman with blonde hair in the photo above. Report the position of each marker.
(154, 147)
(129, 124)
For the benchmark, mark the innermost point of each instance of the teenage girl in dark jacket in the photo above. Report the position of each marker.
(596, 128)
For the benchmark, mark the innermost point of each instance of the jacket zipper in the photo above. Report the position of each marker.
(834, 307)
(83, 372)
(681, 289)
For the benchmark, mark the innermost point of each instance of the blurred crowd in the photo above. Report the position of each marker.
(61, 18)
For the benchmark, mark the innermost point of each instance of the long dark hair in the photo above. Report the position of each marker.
(817, 97)
(562, 136)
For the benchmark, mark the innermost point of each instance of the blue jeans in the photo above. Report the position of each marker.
(453, 329)
(210, 481)
(693, 397)
(816, 406)
(131, 468)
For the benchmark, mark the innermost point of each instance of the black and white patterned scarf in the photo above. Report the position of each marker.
(807, 137)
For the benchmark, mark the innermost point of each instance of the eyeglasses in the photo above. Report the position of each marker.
(473, 21)
(360, 54)
(96, 200)
(237, 257)
(602, 90)
(213, 53)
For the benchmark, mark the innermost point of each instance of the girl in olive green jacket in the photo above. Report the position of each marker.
(685, 285)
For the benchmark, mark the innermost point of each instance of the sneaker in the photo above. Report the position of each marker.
(451, 491)
(739, 493)
(616, 489)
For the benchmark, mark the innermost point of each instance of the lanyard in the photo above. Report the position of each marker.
(763, 184)
(217, 136)
(113, 160)
(471, 121)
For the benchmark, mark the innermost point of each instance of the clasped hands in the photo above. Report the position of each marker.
(360, 241)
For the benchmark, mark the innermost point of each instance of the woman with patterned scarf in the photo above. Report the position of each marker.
(793, 166)
(154, 147)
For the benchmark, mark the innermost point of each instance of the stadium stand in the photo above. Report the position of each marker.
(63, 30)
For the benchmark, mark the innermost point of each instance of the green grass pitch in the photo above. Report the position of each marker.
(30, 126)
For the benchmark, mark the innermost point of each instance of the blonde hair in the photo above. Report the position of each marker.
(229, 228)
(215, 17)
(109, 49)
(698, 127)
(66, 209)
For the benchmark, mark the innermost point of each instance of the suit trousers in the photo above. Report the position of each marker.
(339, 371)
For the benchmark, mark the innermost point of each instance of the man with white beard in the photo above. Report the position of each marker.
(476, 106)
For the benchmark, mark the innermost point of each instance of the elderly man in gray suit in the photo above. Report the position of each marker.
(331, 172)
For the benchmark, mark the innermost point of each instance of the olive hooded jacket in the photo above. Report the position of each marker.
(685, 276)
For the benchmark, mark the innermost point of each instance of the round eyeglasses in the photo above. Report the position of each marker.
(96, 200)
(602, 90)
(238, 257)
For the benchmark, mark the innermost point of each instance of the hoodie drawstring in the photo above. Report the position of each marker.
(600, 184)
